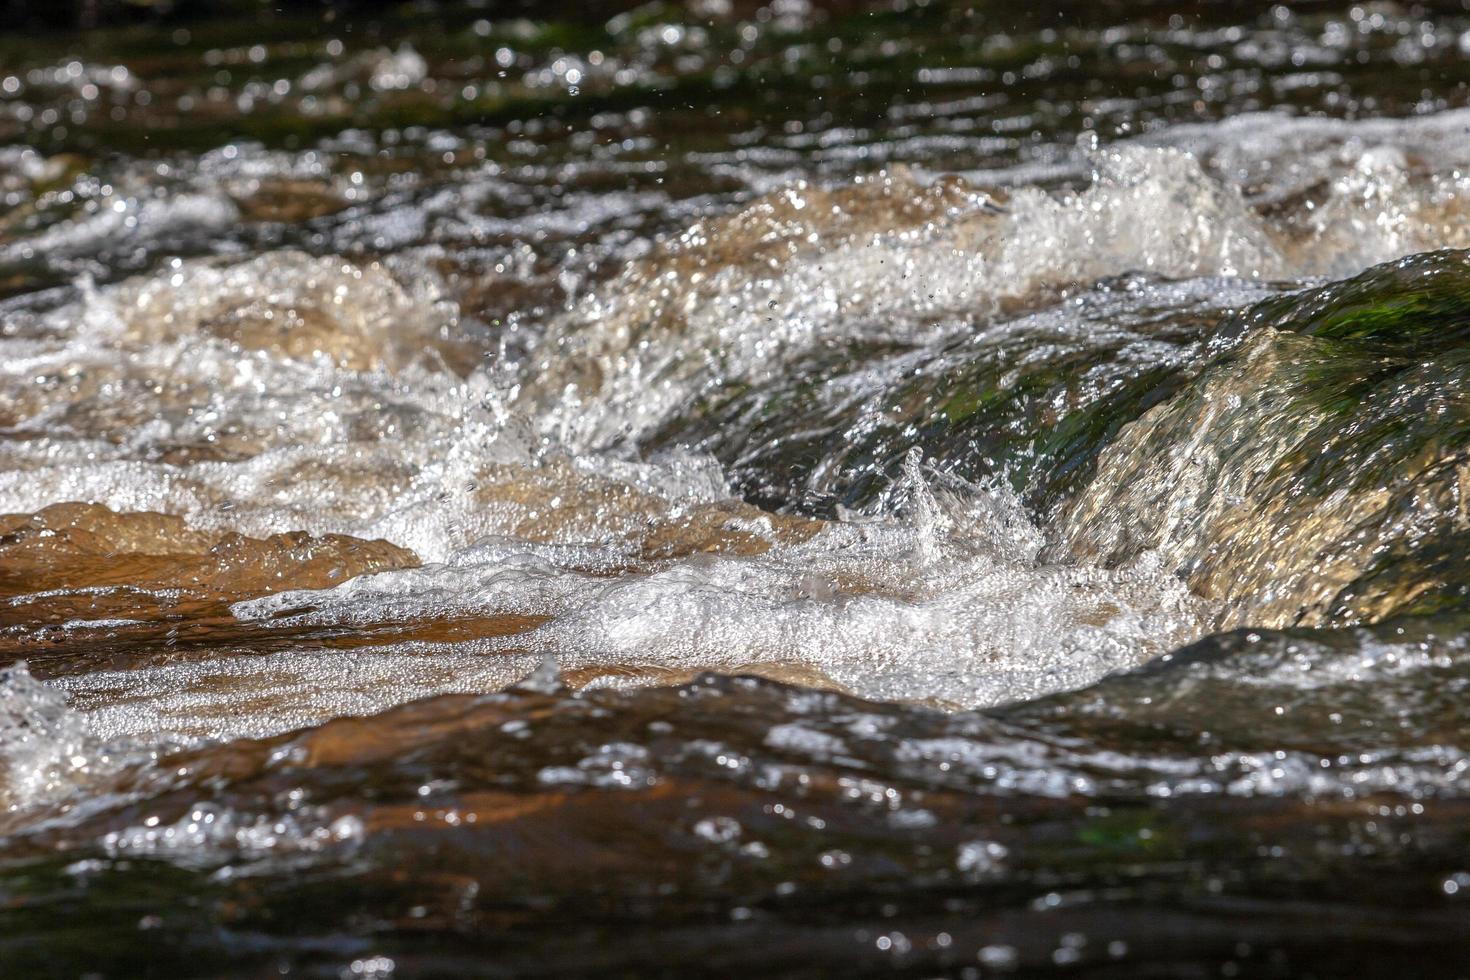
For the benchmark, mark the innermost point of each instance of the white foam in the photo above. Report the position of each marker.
(1149, 209)
(946, 602)
(44, 745)
(173, 392)
(257, 696)
(144, 221)
(611, 371)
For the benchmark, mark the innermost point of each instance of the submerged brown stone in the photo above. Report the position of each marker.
(80, 545)
(80, 561)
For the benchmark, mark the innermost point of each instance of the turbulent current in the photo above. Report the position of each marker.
(736, 489)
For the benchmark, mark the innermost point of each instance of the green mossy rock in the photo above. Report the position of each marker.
(1317, 474)
(1033, 400)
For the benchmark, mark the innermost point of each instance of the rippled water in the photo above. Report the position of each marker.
(720, 488)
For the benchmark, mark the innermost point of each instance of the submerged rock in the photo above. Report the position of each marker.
(1316, 474)
(77, 552)
(1032, 398)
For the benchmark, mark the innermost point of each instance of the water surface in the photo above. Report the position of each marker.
(713, 488)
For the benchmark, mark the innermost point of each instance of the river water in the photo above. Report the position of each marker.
(736, 489)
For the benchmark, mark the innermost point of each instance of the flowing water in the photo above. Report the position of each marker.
(735, 489)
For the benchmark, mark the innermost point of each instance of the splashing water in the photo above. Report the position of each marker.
(768, 477)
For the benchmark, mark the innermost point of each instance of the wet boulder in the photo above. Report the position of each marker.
(1317, 473)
